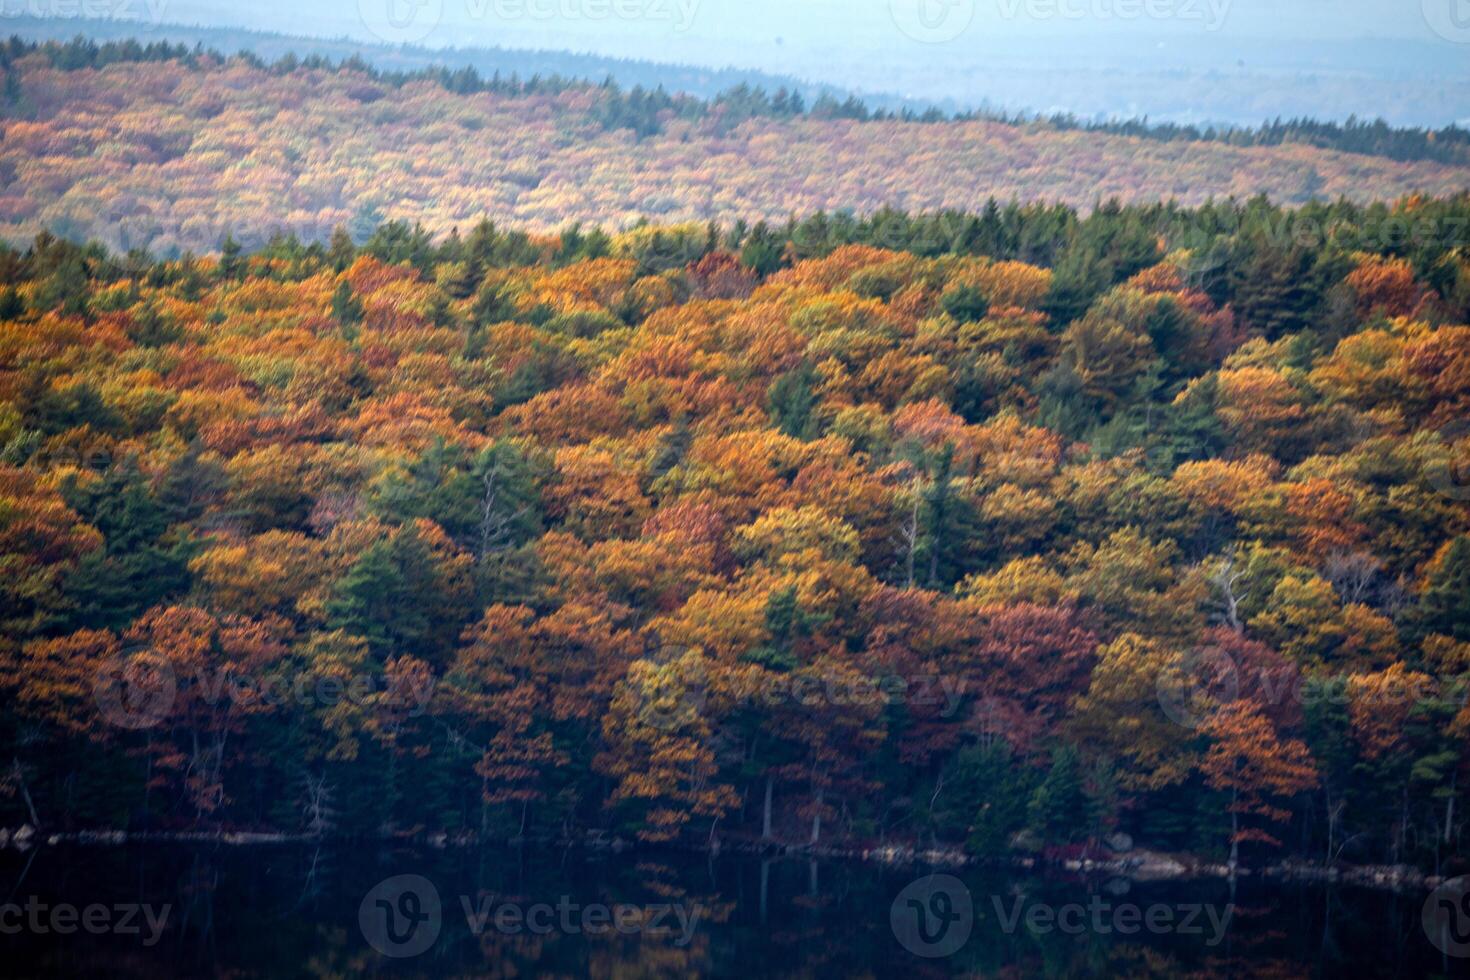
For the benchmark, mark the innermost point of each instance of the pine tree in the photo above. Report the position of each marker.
(966, 304)
(340, 251)
(948, 526)
(791, 401)
(763, 251)
(982, 798)
(1444, 605)
(11, 305)
(231, 264)
(68, 289)
(346, 309)
(1058, 808)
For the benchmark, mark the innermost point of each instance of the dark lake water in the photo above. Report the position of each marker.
(162, 911)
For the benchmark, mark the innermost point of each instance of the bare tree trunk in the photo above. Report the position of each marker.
(1333, 812)
(1225, 579)
(765, 885)
(766, 810)
(25, 793)
(910, 534)
(817, 818)
(1234, 834)
(484, 807)
(1403, 826)
(1449, 807)
(487, 512)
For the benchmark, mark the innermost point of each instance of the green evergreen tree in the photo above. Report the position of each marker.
(68, 289)
(763, 251)
(140, 565)
(1444, 605)
(792, 400)
(346, 309)
(341, 253)
(1059, 808)
(231, 262)
(1078, 279)
(398, 599)
(948, 525)
(982, 798)
(11, 305)
(966, 304)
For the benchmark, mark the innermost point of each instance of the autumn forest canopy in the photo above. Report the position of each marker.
(997, 530)
(170, 148)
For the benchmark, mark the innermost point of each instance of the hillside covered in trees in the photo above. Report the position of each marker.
(169, 149)
(1004, 530)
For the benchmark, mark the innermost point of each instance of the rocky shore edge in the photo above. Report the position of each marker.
(1135, 863)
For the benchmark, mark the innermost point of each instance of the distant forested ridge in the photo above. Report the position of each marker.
(699, 92)
(168, 149)
(1006, 530)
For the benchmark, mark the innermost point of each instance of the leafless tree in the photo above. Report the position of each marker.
(1225, 578)
(317, 809)
(1354, 574)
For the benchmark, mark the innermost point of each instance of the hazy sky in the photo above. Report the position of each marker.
(893, 27)
(1186, 60)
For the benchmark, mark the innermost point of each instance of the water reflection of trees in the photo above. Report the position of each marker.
(276, 911)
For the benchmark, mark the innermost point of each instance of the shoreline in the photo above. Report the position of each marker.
(1138, 864)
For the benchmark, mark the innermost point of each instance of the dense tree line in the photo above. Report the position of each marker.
(1004, 530)
(639, 108)
(1450, 144)
(170, 155)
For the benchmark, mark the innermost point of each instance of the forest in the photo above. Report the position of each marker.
(1008, 531)
(170, 148)
(745, 95)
